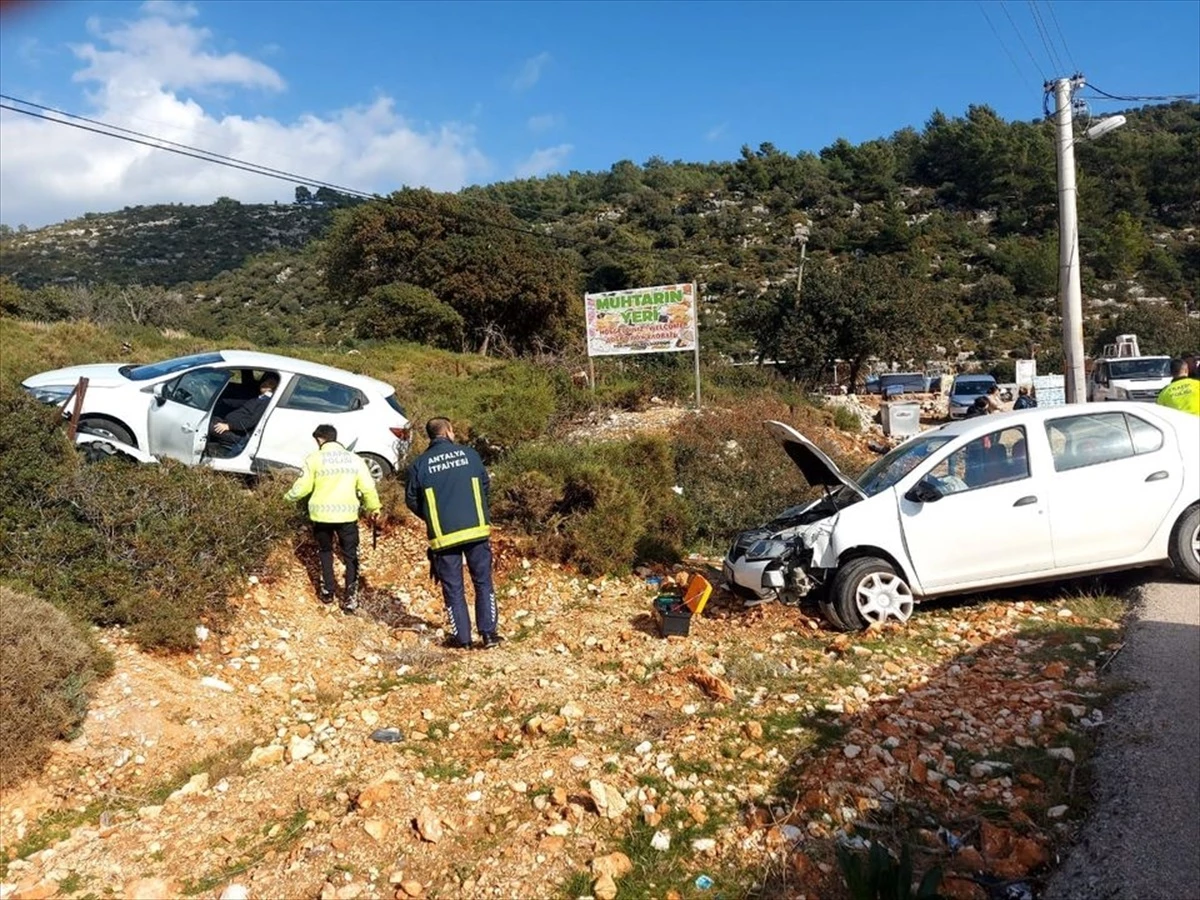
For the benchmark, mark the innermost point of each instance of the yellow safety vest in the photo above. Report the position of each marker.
(1182, 393)
(333, 480)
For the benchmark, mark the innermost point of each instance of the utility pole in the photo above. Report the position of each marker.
(801, 233)
(1070, 294)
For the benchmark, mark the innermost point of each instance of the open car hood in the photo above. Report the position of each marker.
(817, 468)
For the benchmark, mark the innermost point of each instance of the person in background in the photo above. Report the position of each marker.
(995, 403)
(229, 432)
(448, 488)
(1024, 399)
(979, 408)
(335, 481)
(1183, 392)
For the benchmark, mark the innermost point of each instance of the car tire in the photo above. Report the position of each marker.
(379, 467)
(1185, 545)
(107, 428)
(869, 591)
(829, 611)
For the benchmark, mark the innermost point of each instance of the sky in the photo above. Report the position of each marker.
(378, 95)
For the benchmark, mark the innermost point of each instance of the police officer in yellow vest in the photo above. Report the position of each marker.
(1183, 392)
(448, 488)
(333, 480)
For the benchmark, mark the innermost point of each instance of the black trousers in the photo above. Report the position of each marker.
(347, 537)
(448, 565)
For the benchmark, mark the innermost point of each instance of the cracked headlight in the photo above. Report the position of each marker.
(767, 550)
(51, 393)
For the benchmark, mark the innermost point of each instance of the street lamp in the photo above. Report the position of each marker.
(1070, 293)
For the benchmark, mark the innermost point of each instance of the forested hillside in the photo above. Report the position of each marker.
(920, 245)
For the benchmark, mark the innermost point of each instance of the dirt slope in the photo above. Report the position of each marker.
(249, 761)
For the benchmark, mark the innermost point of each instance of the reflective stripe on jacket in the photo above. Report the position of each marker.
(1182, 393)
(333, 480)
(448, 488)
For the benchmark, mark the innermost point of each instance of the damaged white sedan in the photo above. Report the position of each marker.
(998, 500)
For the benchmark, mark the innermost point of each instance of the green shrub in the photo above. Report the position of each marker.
(599, 506)
(47, 666)
(35, 456)
(152, 547)
(847, 419)
(732, 472)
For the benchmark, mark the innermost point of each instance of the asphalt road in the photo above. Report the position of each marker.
(1142, 841)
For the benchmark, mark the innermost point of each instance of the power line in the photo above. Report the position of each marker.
(1140, 99)
(1003, 46)
(96, 126)
(163, 144)
(1062, 37)
(1043, 33)
(1021, 38)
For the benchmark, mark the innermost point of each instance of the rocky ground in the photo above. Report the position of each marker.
(587, 756)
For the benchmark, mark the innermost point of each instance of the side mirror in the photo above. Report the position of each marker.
(923, 492)
(158, 394)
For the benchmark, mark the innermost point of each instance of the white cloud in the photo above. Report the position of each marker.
(716, 132)
(539, 162)
(539, 124)
(531, 72)
(169, 9)
(150, 75)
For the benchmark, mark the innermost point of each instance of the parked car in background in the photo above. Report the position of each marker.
(965, 389)
(893, 383)
(1129, 378)
(164, 409)
(987, 502)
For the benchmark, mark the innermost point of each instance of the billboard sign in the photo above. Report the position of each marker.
(658, 319)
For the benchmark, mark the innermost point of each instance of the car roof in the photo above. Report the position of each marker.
(253, 359)
(979, 425)
(974, 378)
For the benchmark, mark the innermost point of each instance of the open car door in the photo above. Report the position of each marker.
(180, 414)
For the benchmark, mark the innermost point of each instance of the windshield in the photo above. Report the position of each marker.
(1139, 368)
(167, 366)
(885, 472)
(971, 388)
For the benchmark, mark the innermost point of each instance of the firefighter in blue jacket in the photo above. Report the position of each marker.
(448, 488)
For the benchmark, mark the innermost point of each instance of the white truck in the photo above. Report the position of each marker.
(1122, 373)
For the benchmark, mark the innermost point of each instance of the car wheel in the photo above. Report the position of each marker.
(379, 467)
(829, 611)
(869, 591)
(1185, 545)
(106, 428)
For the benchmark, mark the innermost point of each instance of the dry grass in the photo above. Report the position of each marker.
(46, 668)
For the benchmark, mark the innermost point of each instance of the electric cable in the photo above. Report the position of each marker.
(154, 143)
(1140, 99)
(1062, 37)
(1021, 38)
(1043, 33)
(1020, 72)
(211, 153)
(299, 178)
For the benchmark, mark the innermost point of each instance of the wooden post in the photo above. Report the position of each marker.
(592, 373)
(696, 339)
(73, 422)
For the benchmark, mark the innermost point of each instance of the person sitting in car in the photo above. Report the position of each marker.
(230, 432)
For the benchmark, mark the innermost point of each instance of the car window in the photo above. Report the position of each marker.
(196, 389)
(319, 395)
(167, 366)
(995, 458)
(1146, 438)
(1088, 440)
(886, 471)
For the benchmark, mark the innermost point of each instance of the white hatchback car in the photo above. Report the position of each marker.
(164, 409)
(998, 500)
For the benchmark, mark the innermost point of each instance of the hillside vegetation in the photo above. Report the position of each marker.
(942, 240)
